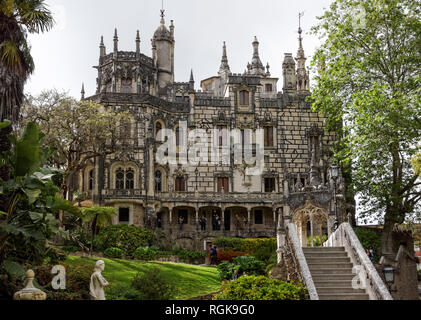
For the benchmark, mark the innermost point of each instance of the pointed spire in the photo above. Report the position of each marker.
(191, 76)
(224, 61)
(82, 93)
(102, 51)
(137, 42)
(172, 27)
(115, 41)
(303, 77)
(191, 82)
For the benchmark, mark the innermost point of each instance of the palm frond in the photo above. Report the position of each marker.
(35, 15)
(11, 56)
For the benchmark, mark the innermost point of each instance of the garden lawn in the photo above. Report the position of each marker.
(190, 280)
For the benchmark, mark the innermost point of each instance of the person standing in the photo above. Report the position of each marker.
(214, 255)
(181, 222)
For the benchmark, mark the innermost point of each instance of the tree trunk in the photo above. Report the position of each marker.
(93, 226)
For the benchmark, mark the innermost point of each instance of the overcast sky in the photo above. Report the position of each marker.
(64, 56)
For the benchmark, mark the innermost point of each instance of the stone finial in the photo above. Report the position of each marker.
(30, 292)
(82, 93)
(137, 42)
(102, 51)
(115, 41)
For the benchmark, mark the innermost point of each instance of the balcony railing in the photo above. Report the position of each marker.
(212, 196)
(114, 193)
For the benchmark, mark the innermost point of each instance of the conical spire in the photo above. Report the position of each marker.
(224, 62)
(191, 82)
(300, 54)
(268, 70)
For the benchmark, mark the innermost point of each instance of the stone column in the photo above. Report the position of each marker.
(222, 220)
(171, 210)
(197, 219)
(248, 220)
(312, 231)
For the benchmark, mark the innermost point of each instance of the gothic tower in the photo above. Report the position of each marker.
(163, 55)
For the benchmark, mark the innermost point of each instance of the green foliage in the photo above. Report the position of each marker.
(249, 264)
(419, 275)
(317, 240)
(30, 220)
(262, 288)
(262, 249)
(152, 285)
(369, 238)
(121, 292)
(368, 87)
(146, 254)
(128, 238)
(115, 253)
(102, 215)
(70, 249)
(188, 254)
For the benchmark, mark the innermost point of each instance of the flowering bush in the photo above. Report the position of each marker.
(229, 255)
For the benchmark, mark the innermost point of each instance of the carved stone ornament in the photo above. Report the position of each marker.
(30, 292)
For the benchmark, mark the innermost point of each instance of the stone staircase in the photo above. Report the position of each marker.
(331, 270)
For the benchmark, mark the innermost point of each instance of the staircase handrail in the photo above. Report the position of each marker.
(345, 236)
(302, 262)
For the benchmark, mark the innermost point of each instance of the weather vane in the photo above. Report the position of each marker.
(300, 15)
(162, 9)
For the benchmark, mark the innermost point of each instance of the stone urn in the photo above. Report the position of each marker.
(30, 292)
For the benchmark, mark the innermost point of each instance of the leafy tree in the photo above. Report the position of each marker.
(368, 87)
(79, 131)
(17, 19)
(29, 221)
(416, 163)
(97, 217)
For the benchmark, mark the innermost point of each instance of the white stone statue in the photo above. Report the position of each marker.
(98, 282)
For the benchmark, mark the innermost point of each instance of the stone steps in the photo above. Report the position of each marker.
(331, 269)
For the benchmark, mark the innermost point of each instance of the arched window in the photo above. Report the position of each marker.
(244, 98)
(91, 180)
(158, 127)
(180, 184)
(129, 179)
(119, 179)
(158, 181)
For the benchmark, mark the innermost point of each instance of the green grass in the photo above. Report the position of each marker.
(191, 281)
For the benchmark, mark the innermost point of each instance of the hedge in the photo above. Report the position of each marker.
(124, 237)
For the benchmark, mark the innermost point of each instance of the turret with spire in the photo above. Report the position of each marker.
(163, 54)
(191, 82)
(102, 50)
(257, 67)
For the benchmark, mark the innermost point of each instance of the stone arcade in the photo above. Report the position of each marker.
(294, 185)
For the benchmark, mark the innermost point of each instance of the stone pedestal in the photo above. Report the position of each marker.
(30, 292)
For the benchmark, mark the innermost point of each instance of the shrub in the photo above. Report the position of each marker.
(187, 254)
(121, 292)
(115, 253)
(249, 264)
(225, 270)
(124, 237)
(234, 244)
(419, 275)
(261, 288)
(144, 253)
(152, 285)
(70, 249)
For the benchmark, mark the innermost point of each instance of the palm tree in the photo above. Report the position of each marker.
(18, 18)
(97, 217)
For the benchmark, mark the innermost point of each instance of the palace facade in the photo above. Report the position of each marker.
(294, 183)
